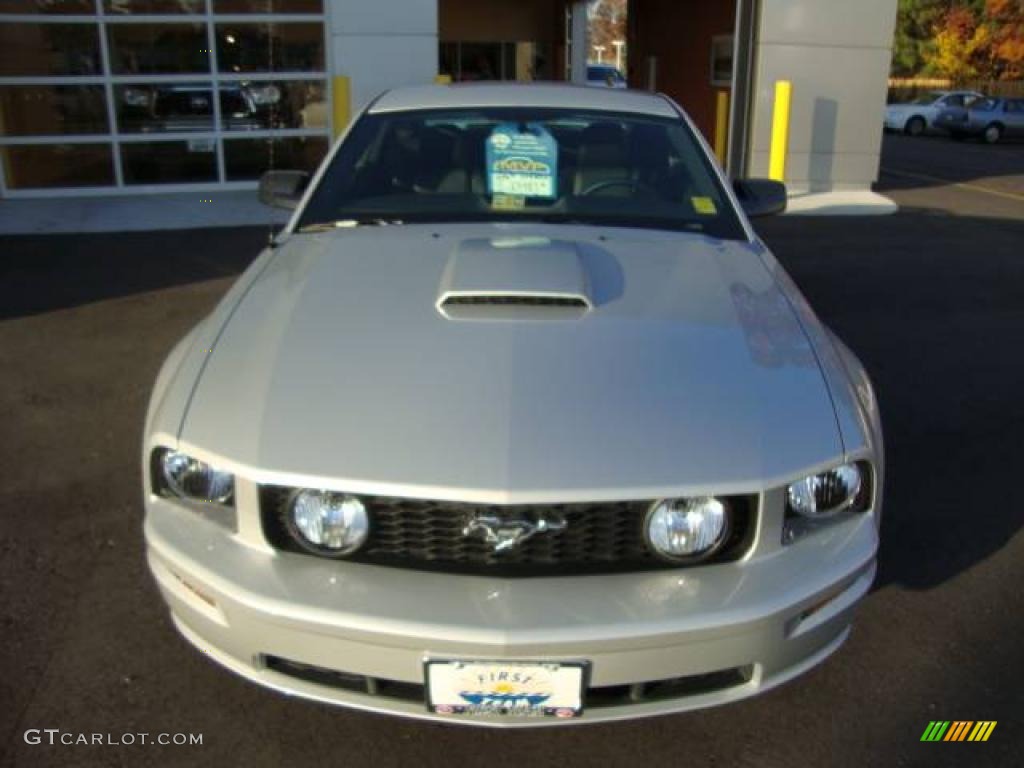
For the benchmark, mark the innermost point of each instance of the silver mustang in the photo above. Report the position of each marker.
(517, 422)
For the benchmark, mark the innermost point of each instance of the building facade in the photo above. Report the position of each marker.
(126, 96)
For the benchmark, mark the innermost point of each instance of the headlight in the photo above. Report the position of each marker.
(687, 529)
(826, 493)
(330, 524)
(189, 478)
(819, 499)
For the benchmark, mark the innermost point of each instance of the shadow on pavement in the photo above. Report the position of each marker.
(42, 273)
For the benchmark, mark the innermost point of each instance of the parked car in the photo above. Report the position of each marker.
(180, 108)
(990, 119)
(605, 76)
(517, 422)
(918, 116)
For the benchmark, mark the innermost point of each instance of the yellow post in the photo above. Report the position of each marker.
(780, 130)
(443, 79)
(721, 125)
(342, 113)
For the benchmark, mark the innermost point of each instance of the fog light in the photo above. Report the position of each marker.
(330, 524)
(687, 529)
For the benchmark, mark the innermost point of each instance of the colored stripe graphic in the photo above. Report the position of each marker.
(958, 730)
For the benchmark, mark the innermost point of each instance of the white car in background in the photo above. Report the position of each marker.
(915, 117)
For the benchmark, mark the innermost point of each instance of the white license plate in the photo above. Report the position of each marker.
(525, 689)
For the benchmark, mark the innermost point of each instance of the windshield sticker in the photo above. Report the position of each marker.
(508, 202)
(704, 205)
(522, 161)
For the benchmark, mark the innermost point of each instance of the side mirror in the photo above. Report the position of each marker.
(282, 189)
(760, 197)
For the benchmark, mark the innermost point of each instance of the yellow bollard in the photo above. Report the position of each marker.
(342, 113)
(780, 130)
(443, 79)
(721, 125)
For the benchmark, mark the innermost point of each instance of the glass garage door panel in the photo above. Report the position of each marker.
(49, 50)
(247, 159)
(270, 47)
(48, 110)
(51, 8)
(157, 49)
(164, 107)
(260, 105)
(170, 162)
(128, 7)
(268, 6)
(46, 166)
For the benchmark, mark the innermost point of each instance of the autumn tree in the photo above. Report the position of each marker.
(961, 47)
(1007, 18)
(977, 39)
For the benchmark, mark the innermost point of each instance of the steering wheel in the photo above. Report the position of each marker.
(633, 184)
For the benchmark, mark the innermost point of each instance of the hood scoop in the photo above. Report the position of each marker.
(516, 278)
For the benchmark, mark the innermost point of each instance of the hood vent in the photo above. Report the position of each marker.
(514, 278)
(514, 300)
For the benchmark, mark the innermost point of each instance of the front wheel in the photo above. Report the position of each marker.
(915, 126)
(993, 133)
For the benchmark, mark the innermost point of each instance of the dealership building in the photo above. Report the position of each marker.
(117, 96)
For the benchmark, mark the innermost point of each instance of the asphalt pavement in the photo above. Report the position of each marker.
(931, 299)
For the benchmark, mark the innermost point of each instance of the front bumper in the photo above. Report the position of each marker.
(656, 642)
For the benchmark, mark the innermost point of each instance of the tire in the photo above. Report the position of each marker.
(993, 133)
(915, 126)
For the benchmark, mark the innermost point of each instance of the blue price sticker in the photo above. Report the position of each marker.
(522, 162)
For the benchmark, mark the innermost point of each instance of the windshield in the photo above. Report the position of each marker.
(928, 98)
(487, 164)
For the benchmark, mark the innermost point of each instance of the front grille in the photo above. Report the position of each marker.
(428, 535)
(593, 698)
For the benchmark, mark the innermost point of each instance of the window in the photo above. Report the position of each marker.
(123, 93)
(53, 110)
(721, 60)
(523, 61)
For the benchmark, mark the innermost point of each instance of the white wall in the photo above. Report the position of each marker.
(836, 53)
(381, 44)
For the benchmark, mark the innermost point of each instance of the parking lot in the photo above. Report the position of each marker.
(931, 299)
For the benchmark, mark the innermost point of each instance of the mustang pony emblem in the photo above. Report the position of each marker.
(505, 533)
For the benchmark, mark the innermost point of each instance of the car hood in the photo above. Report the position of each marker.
(378, 360)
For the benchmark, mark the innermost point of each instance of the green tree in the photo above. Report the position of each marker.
(915, 22)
